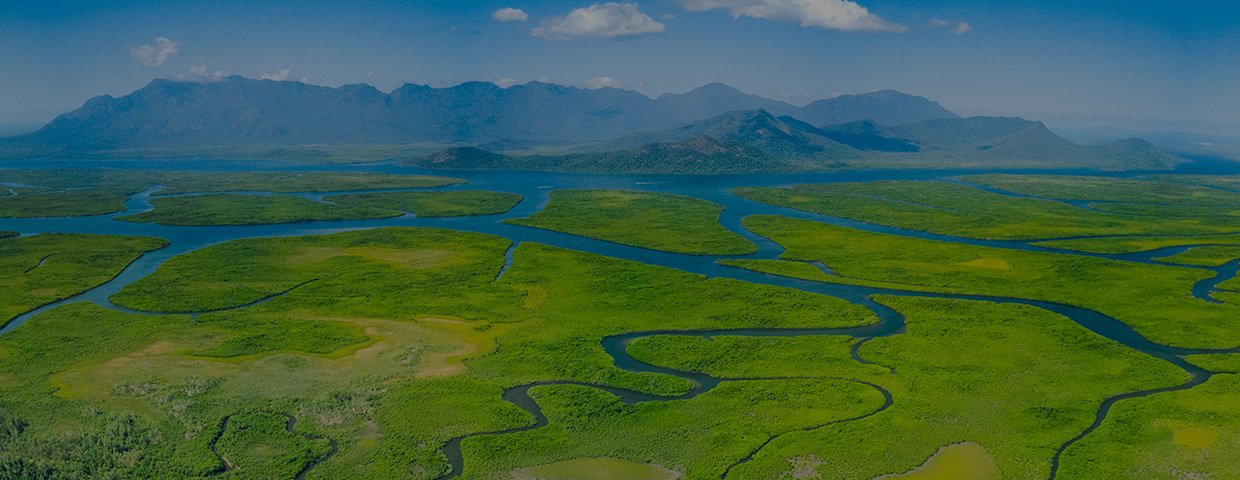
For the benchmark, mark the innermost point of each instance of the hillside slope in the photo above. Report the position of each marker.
(697, 155)
(756, 141)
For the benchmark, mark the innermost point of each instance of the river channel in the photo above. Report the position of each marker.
(534, 186)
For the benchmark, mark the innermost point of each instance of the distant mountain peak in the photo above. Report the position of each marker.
(883, 107)
(236, 110)
(880, 93)
(744, 141)
(715, 88)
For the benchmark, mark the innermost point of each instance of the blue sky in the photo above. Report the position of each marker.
(1137, 64)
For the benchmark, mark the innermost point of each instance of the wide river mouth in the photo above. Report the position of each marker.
(534, 186)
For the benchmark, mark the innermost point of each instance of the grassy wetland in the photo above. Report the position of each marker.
(41, 269)
(243, 209)
(409, 371)
(239, 209)
(75, 203)
(1216, 362)
(1155, 300)
(1225, 182)
(701, 436)
(1192, 433)
(325, 365)
(434, 204)
(658, 221)
(259, 445)
(965, 211)
(178, 182)
(75, 192)
(1204, 256)
(1148, 210)
(964, 371)
(1139, 243)
(420, 352)
(1163, 189)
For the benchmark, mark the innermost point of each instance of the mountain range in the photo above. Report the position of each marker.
(758, 141)
(242, 111)
(711, 129)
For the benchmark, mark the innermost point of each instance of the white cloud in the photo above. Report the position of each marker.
(961, 28)
(827, 14)
(155, 55)
(279, 77)
(505, 82)
(284, 75)
(543, 79)
(600, 82)
(669, 16)
(200, 73)
(607, 20)
(510, 15)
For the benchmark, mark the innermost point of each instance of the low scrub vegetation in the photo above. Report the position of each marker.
(76, 192)
(1193, 433)
(1139, 243)
(1204, 256)
(1155, 300)
(658, 221)
(964, 211)
(388, 341)
(239, 209)
(1161, 189)
(41, 269)
(1018, 380)
(454, 203)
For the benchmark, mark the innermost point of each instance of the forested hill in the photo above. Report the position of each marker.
(758, 142)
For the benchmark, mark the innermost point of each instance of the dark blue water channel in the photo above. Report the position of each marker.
(534, 186)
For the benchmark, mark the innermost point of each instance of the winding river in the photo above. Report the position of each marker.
(290, 425)
(534, 187)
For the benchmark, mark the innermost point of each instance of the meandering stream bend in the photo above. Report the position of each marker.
(534, 185)
(290, 424)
